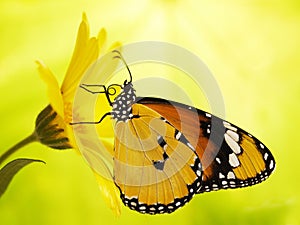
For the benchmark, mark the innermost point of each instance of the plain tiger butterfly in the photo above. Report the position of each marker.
(159, 166)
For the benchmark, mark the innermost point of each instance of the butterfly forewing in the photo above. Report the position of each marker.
(230, 156)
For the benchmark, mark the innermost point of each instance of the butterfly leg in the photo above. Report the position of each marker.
(92, 122)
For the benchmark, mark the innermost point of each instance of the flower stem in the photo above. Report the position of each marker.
(13, 149)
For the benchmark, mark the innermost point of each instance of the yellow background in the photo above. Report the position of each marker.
(252, 48)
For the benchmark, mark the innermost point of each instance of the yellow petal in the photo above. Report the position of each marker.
(81, 42)
(114, 46)
(110, 193)
(85, 53)
(53, 89)
(102, 39)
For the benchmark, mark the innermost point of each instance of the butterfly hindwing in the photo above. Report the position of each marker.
(156, 168)
(230, 156)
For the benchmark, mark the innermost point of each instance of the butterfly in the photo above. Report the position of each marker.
(165, 152)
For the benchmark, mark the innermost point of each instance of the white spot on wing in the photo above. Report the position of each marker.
(230, 175)
(233, 160)
(160, 208)
(133, 203)
(178, 135)
(142, 207)
(215, 186)
(152, 209)
(208, 115)
(198, 173)
(233, 135)
(232, 143)
(271, 165)
(266, 156)
(190, 146)
(229, 126)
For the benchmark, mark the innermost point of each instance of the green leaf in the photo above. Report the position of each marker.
(11, 169)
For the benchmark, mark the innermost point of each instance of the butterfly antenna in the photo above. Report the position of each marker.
(119, 56)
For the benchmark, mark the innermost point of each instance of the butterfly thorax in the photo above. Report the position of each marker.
(122, 110)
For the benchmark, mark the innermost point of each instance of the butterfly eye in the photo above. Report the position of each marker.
(111, 90)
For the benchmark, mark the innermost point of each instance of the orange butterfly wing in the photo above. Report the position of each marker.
(155, 167)
(230, 156)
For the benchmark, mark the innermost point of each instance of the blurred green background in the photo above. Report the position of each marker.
(252, 48)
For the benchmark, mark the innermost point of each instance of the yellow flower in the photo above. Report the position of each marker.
(52, 124)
